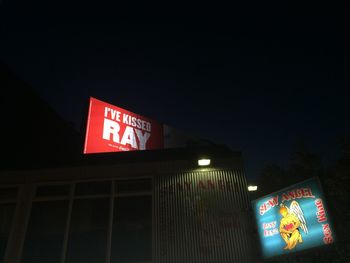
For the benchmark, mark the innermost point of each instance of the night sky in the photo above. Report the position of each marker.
(258, 77)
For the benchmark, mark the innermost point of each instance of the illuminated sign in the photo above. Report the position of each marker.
(293, 219)
(113, 129)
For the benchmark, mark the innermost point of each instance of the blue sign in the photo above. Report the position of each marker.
(293, 219)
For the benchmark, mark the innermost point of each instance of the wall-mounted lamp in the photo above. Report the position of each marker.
(203, 162)
(252, 188)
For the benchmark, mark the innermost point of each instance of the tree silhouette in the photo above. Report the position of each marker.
(303, 164)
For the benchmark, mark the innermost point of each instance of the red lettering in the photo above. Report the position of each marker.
(299, 193)
(273, 201)
(269, 225)
(321, 213)
(221, 185)
(321, 216)
(285, 198)
(272, 232)
(210, 184)
(268, 204)
(201, 185)
(307, 192)
(262, 209)
(291, 195)
(327, 239)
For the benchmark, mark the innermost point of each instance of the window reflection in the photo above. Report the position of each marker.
(134, 186)
(8, 193)
(88, 231)
(93, 188)
(89, 226)
(45, 232)
(132, 235)
(52, 190)
(6, 216)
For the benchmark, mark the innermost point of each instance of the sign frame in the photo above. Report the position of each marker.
(268, 212)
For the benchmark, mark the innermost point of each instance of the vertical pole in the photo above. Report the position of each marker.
(20, 222)
(69, 215)
(110, 226)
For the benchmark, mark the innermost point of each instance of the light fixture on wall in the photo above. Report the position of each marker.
(252, 188)
(203, 162)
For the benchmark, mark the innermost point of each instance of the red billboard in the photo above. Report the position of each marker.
(113, 129)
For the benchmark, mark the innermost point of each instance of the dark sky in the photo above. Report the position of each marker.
(256, 76)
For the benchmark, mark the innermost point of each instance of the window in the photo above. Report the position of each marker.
(93, 188)
(134, 186)
(132, 229)
(8, 199)
(45, 232)
(90, 222)
(6, 216)
(87, 241)
(53, 190)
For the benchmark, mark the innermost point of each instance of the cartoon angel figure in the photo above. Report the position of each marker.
(290, 224)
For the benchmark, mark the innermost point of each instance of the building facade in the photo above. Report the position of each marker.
(162, 208)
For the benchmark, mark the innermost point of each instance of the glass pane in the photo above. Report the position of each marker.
(8, 193)
(6, 217)
(132, 229)
(93, 188)
(132, 186)
(88, 231)
(45, 233)
(53, 190)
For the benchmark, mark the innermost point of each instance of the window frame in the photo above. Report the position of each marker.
(71, 197)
